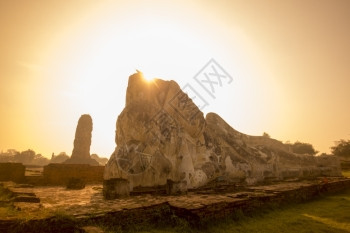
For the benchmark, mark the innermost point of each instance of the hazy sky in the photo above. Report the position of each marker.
(60, 59)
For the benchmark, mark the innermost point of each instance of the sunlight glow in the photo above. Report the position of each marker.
(102, 58)
(147, 78)
(86, 65)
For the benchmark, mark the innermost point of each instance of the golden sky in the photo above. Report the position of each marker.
(289, 61)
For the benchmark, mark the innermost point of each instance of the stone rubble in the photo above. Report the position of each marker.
(193, 207)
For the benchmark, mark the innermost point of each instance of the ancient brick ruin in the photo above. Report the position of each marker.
(52, 174)
(12, 172)
(60, 174)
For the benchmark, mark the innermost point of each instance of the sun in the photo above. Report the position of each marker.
(145, 77)
(148, 79)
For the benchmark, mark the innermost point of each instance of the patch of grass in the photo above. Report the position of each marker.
(58, 222)
(325, 214)
(346, 173)
(6, 206)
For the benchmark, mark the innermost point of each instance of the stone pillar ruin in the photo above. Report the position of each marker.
(82, 143)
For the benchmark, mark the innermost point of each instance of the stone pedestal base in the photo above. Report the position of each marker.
(179, 187)
(116, 188)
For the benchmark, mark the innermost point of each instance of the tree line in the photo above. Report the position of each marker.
(30, 157)
(340, 149)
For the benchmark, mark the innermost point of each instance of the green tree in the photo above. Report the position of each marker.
(341, 149)
(303, 148)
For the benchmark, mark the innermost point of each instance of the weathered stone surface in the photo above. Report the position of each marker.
(116, 188)
(162, 136)
(254, 158)
(82, 143)
(155, 141)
